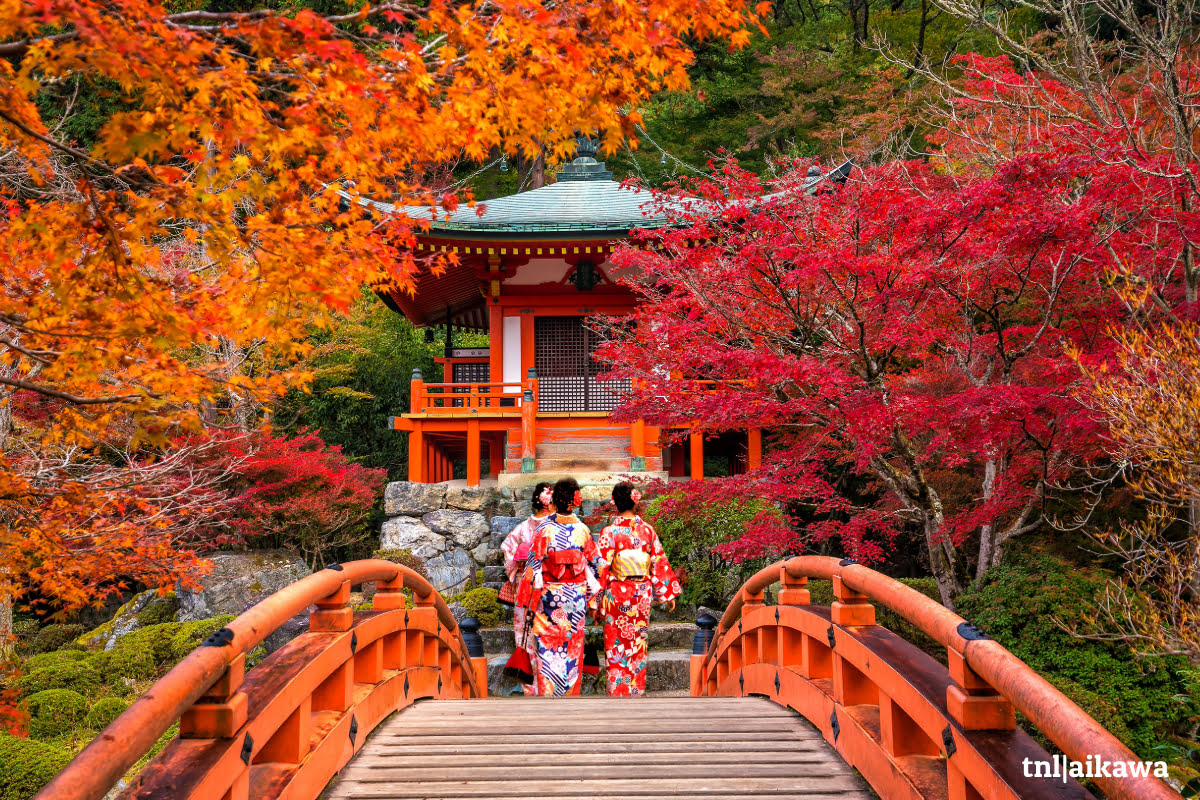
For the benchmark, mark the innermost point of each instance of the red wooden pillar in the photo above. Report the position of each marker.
(495, 456)
(637, 446)
(473, 452)
(416, 455)
(696, 442)
(529, 406)
(754, 448)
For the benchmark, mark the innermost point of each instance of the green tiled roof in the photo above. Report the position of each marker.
(584, 200)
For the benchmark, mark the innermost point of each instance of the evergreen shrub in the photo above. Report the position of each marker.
(54, 636)
(78, 676)
(104, 711)
(26, 765)
(1034, 603)
(55, 712)
(483, 605)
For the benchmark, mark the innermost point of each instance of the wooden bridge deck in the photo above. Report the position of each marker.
(606, 749)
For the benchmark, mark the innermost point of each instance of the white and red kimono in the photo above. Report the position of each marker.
(516, 550)
(637, 573)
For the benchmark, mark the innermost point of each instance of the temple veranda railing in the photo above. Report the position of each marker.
(913, 727)
(286, 727)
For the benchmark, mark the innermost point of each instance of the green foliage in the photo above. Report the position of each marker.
(821, 594)
(54, 636)
(481, 604)
(55, 712)
(188, 635)
(1032, 602)
(27, 765)
(104, 711)
(78, 676)
(691, 539)
(362, 371)
(53, 658)
(404, 557)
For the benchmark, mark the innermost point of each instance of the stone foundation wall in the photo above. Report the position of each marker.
(458, 530)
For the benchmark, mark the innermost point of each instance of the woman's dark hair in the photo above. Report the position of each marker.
(622, 496)
(564, 494)
(537, 503)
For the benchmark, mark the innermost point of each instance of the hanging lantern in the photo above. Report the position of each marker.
(503, 163)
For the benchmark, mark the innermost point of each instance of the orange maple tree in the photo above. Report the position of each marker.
(163, 276)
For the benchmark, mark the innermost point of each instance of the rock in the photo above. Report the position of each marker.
(501, 527)
(503, 504)
(458, 610)
(465, 528)
(123, 622)
(589, 507)
(450, 571)
(238, 581)
(522, 509)
(403, 498)
(480, 554)
(494, 575)
(411, 534)
(470, 498)
(598, 492)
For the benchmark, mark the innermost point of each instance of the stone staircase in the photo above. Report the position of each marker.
(666, 671)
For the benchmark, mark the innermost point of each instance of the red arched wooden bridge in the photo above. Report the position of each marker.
(913, 728)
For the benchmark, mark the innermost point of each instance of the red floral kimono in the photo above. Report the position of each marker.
(629, 547)
(561, 578)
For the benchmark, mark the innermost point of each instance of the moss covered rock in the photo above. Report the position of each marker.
(55, 712)
(189, 635)
(104, 711)
(27, 765)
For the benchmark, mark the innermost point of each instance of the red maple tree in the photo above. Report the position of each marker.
(906, 334)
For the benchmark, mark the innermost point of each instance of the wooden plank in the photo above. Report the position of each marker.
(719, 787)
(387, 756)
(380, 771)
(601, 749)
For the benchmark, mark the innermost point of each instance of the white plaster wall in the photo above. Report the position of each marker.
(512, 350)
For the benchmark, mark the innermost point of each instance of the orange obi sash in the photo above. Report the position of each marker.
(565, 566)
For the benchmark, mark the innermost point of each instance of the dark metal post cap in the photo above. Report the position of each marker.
(417, 375)
(471, 637)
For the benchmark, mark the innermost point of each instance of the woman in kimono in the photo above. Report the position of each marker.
(562, 576)
(637, 574)
(516, 552)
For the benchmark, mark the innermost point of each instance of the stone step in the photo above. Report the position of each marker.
(666, 671)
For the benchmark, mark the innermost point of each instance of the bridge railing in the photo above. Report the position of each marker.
(913, 727)
(288, 725)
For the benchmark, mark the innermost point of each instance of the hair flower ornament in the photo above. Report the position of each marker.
(636, 495)
(546, 496)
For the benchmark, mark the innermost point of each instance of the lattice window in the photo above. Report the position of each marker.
(471, 373)
(564, 356)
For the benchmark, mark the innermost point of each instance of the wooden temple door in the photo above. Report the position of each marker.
(568, 373)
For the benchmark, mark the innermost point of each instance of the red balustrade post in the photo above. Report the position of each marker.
(416, 454)
(851, 608)
(221, 710)
(973, 702)
(333, 612)
(416, 398)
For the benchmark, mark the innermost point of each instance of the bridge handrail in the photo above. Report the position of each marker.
(1048, 709)
(100, 765)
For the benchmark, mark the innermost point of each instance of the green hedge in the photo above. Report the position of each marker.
(104, 711)
(27, 765)
(1031, 601)
(482, 605)
(52, 637)
(78, 676)
(55, 712)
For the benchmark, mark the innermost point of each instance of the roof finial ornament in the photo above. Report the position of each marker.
(585, 167)
(586, 148)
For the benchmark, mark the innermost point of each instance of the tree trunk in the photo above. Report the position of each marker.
(987, 533)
